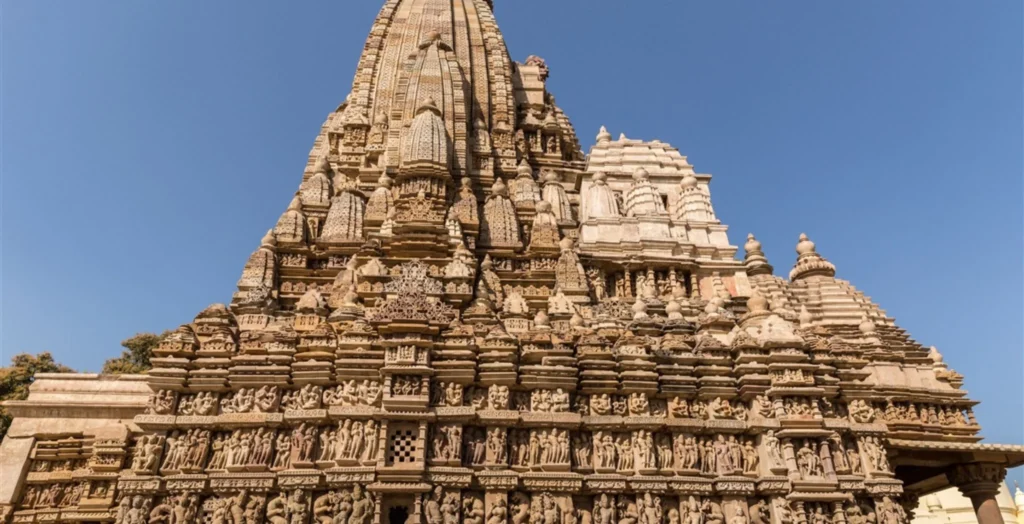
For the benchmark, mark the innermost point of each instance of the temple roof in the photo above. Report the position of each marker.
(625, 155)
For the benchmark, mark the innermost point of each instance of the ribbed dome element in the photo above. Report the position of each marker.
(425, 146)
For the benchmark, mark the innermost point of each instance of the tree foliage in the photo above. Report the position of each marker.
(135, 357)
(16, 378)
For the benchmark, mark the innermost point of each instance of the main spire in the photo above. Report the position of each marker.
(450, 51)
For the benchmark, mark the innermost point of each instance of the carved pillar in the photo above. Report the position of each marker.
(980, 482)
(789, 456)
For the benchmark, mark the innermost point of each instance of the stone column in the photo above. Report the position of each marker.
(980, 482)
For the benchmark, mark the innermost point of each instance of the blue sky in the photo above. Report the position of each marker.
(147, 146)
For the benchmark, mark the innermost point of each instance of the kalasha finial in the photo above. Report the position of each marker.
(809, 262)
(524, 168)
(640, 174)
(428, 105)
(754, 259)
(499, 188)
(804, 246)
(752, 244)
(603, 135)
(487, 264)
(689, 181)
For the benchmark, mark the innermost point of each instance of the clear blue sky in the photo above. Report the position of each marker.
(147, 146)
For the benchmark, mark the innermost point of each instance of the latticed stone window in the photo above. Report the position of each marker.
(403, 444)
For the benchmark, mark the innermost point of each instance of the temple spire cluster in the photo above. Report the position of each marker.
(461, 318)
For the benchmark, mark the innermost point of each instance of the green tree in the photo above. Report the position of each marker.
(16, 378)
(135, 357)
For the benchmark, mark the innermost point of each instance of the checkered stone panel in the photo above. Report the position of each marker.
(403, 441)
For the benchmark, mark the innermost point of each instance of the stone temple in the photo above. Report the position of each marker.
(461, 318)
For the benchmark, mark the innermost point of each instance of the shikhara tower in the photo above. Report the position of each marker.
(461, 318)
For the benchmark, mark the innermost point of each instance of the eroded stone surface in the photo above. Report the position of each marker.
(458, 318)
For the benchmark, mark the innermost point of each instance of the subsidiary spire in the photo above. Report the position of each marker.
(809, 262)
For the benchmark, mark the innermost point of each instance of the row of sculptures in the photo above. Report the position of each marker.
(355, 442)
(443, 507)
(366, 392)
(355, 506)
(347, 506)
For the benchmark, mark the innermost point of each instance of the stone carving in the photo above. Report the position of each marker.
(876, 454)
(432, 507)
(642, 198)
(428, 313)
(237, 509)
(599, 201)
(204, 403)
(498, 513)
(351, 441)
(406, 385)
(583, 449)
(500, 227)
(381, 201)
(162, 402)
(472, 510)
(447, 394)
(548, 401)
(303, 444)
(447, 443)
(353, 393)
(288, 509)
(186, 451)
(308, 397)
(133, 510)
(497, 446)
(497, 397)
(249, 400)
(774, 449)
(809, 462)
(148, 450)
(245, 449)
(346, 506)
(544, 231)
(861, 412)
(759, 512)
(344, 222)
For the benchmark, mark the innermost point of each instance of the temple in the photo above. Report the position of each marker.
(462, 318)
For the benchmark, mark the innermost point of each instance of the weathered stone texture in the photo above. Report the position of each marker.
(460, 318)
